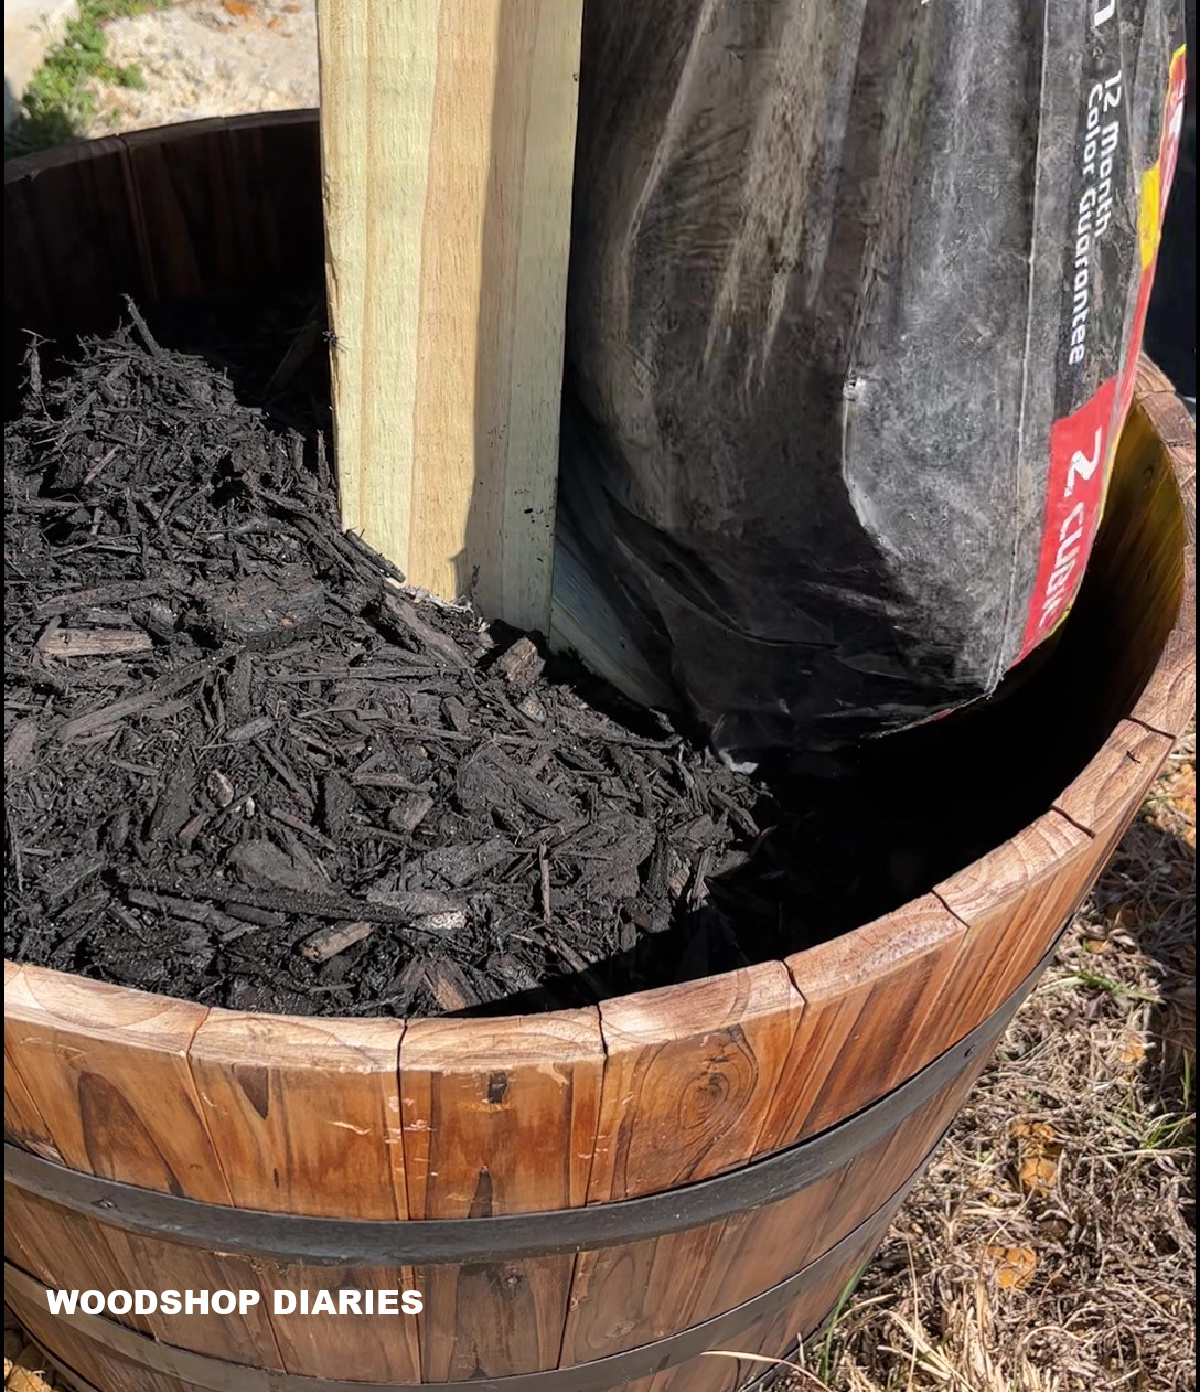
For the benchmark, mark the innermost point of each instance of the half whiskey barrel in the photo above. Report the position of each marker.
(588, 1200)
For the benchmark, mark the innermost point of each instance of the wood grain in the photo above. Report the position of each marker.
(1106, 796)
(482, 1098)
(106, 1372)
(106, 1368)
(304, 1114)
(689, 1076)
(107, 1070)
(380, 1348)
(1013, 903)
(66, 1249)
(889, 1165)
(689, 1079)
(201, 212)
(499, 1117)
(23, 1123)
(1159, 400)
(637, 1292)
(774, 1336)
(448, 141)
(1148, 548)
(43, 1240)
(1168, 703)
(70, 1250)
(867, 995)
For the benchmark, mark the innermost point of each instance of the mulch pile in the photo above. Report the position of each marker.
(245, 766)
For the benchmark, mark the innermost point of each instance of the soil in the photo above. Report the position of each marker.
(202, 58)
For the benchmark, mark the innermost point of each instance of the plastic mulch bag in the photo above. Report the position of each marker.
(856, 294)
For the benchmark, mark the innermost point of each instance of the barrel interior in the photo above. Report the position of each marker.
(840, 1064)
(228, 212)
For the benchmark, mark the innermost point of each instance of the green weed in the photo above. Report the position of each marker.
(59, 102)
(1097, 983)
(826, 1359)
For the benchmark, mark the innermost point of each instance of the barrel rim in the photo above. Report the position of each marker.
(76, 151)
(1154, 398)
(318, 1241)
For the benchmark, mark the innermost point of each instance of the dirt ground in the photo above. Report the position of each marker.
(203, 58)
(1051, 1248)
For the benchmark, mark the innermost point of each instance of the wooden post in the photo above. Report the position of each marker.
(448, 145)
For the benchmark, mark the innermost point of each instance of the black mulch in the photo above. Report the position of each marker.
(245, 767)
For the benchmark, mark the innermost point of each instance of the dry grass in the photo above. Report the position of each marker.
(1051, 1248)
(25, 1367)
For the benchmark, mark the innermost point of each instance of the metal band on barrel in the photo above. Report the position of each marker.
(294, 1238)
(598, 1375)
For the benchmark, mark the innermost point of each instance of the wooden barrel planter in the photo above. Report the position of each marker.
(587, 1200)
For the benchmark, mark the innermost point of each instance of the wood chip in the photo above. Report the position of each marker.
(409, 811)
(395, 765)
(19, 747)
(251, 730)
(120, 592)
(415, 902)
(189, 909)
(521, 664)
(544, 879)
(116, 711)
(456, 713)
(94, 642)
(532, 709)
(449, 922)
(400, 615)
(449, 986)
(262, 864)
(328, 942)
(219, 788)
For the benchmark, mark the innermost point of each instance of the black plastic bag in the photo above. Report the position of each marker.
(855, 298)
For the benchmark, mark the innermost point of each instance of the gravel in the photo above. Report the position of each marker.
(206, 58)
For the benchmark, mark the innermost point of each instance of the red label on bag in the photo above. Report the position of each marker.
(1082, 444)
(1078, 453)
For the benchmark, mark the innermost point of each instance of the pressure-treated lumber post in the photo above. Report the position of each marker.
(448, 144)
